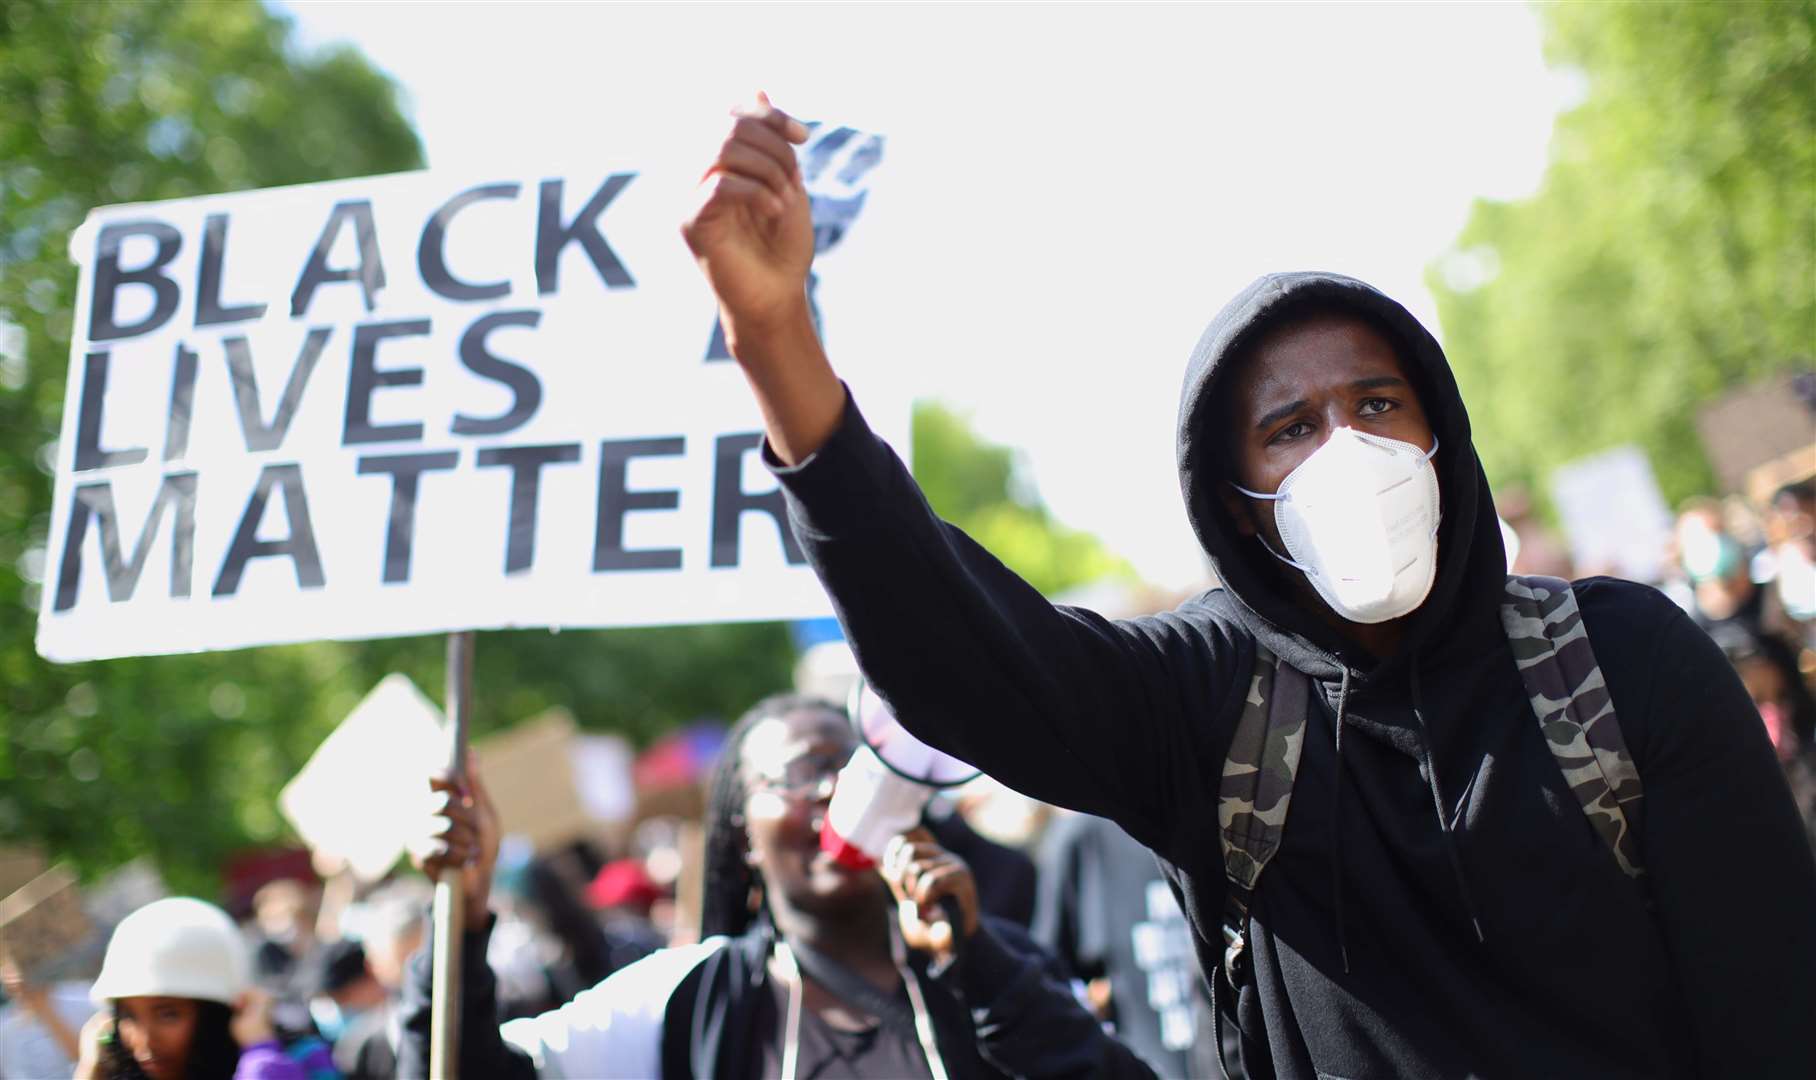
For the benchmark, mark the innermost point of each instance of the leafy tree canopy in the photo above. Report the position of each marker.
(975, 485)
(1670, 252)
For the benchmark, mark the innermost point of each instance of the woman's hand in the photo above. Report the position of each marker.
(251, 1023)
(30, 996)
(36, 1002)
(463, 835)
(94, 1036)
(922, 874)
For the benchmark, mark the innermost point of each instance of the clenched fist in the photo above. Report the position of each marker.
(752, 232)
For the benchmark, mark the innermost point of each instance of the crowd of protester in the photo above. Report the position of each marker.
(1071, 955)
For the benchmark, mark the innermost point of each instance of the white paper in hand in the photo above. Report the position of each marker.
(364, 795)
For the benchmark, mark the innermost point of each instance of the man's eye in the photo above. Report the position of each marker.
(1376, 406)
(1292, 431)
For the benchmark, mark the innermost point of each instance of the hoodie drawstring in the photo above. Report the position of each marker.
(1336, 829)
(1437, 803)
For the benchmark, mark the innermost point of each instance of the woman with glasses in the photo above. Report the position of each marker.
(807, 969)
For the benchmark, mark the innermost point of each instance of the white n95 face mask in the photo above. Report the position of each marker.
(1360, 519)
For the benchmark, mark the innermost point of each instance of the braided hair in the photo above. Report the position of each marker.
(213, 1054)
(727, 905)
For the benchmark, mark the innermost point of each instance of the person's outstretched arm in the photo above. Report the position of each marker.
(1058, 703)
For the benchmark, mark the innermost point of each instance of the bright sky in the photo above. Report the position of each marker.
(1075, 190)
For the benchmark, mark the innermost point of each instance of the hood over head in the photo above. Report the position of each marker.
(1471, 559)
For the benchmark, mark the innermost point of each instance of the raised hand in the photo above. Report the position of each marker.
(752, 232)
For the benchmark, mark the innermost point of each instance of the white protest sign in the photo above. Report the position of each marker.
(418, 403)
(364, 794)
(1613, 513)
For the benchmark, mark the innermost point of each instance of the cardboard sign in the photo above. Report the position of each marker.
(19, 865)
(43, 922)
(528, 772)
(421, 402)
(364, 794)
(1756, 425)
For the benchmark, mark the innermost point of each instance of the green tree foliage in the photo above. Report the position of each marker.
(973, 484)
(182, 757)
(1670, 252)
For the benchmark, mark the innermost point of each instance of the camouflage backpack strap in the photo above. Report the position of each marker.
(1256, 790)
(1574, 710)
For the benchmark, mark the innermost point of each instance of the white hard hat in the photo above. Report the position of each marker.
(177, 947)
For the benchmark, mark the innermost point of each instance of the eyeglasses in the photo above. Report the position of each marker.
(804, 776)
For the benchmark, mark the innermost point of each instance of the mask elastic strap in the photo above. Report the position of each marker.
(1299, 566)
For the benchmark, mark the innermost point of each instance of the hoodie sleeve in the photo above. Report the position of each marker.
(1730, 868)
(1057, 702)
(482, 1051)
(1026, 1019)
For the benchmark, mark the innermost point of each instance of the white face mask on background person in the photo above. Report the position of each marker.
(1359, 518)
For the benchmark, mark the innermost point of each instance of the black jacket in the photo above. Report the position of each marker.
(1131, 720)
(705, 1011)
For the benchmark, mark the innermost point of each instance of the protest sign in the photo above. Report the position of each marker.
(363, 796)
(602, 773)
(417, 403)
(19, 865)
(43, 922)
(527, 772)
(1613, 513)
(1756, 425)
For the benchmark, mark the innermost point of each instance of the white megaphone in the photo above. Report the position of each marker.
(882, 790)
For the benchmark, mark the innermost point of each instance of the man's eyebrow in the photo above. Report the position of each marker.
(1276, 415)
(1375, 382)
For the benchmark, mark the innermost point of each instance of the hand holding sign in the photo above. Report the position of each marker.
(752, 233)
(464, 834)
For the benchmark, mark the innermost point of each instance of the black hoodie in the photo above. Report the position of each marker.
(1576, 970)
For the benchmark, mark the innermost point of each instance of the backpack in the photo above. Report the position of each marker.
(1569, 698)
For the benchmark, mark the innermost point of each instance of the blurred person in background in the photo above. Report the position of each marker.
(807, 968)
(1537, 548)
(1791, 560)
(1785, 707)
(283, 918)
(348, 1003)
(547, 946)
(1105, 910)
(389, 924)
(1743, 617)
(40, 1025)
(622, 895)
(179, 1004)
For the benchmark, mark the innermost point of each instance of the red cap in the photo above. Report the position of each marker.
(623, 883)
(843, 852)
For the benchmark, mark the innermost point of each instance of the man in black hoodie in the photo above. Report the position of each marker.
(1440, 905)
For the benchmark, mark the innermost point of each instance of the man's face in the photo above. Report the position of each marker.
(1301, 383)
